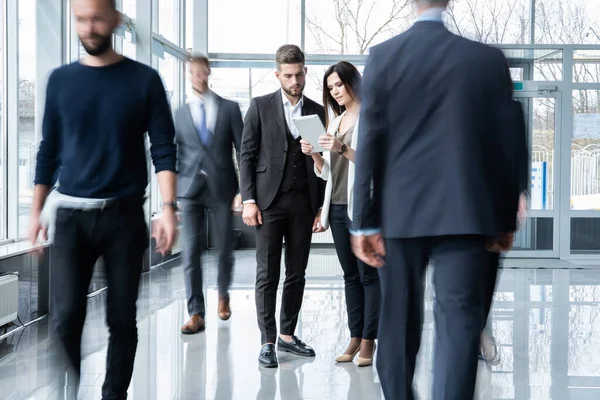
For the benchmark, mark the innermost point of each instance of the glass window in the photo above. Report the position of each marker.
(239, 26)
(233, 84)
(129, 8)
(2, 133)
(540, 119)
(585, 151)
(567, 21)
(351, 27)
(170, 69)
(497, 22)
(168, 20)
(26, 130)
(586, 67)
(128, 49)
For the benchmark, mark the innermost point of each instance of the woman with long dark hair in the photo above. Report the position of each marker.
(341, 95)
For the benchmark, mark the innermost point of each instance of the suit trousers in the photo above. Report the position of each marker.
(489, 285)
(290, 216)
(119, 235)
(361, 282)
(458, 314)
(194, 212)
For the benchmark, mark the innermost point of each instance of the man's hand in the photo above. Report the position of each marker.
(251, 215)
(501, 244)
(307, 148)
(522, 213)
(237, 206)
(317, 226)
(166, 231)
(35, 228)
(369, 249)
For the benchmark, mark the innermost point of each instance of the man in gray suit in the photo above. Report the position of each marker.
(207, 130)
(436, 179)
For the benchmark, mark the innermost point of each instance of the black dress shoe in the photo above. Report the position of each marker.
(297, 347)
(268, 356)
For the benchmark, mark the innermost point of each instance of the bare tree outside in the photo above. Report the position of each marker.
(494, 22)
(352, 26)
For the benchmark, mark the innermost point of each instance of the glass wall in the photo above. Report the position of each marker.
(2, 135)
(554, 42)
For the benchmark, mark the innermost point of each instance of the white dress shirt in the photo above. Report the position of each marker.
(292, 112)
(211, 108)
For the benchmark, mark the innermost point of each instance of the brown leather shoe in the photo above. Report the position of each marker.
(224, 309)
(194, 325)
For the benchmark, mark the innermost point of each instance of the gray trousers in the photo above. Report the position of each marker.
(194, 213)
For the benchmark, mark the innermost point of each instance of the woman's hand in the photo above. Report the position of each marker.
(330, 143)
(307, 147)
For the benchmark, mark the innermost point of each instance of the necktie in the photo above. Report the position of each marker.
(203, 128)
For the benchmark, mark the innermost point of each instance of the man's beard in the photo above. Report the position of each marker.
(103, 47)
(289, 92)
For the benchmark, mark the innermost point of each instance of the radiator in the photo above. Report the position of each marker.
(9, 298)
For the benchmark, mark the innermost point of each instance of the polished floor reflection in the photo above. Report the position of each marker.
(546, 321)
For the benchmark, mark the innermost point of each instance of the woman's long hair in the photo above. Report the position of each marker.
(351, 79)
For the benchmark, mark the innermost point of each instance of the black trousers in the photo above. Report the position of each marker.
(458, 314)
(290, 217)
(194, 213)
(361, 282)
(120, 235)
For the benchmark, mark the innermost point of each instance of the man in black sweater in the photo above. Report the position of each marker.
(96, 115)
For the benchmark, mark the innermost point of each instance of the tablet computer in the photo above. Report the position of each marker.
(310, 128)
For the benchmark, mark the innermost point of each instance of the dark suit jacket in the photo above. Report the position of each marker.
(522, 152)
(217, 159)
(264, 151)
(433, 139)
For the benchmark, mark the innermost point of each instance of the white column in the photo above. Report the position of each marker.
(200, 26)
(143, 32)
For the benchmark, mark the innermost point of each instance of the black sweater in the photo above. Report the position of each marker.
(95, 120)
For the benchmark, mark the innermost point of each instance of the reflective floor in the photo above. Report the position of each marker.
(546, 321)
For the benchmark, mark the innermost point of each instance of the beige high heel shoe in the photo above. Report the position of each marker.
(346, 358)
(365, 362)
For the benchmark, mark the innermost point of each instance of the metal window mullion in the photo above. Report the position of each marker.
(564, 147)
(170, 47)
(303, 25)
(11, 102)
(5, 127)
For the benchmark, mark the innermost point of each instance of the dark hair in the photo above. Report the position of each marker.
(289, 54)
(199, 58)
(351, 79)
(433, 3)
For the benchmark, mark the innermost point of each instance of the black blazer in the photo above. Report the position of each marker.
(264, 151)
(217, 159)
(434, 139)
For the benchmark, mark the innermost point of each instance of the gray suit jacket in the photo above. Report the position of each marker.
(216, 160)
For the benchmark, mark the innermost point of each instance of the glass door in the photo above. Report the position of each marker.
(538, 235)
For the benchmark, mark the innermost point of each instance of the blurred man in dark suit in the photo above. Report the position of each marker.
(435, 147)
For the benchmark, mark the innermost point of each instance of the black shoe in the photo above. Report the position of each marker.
(297, 347)
(268, 356)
